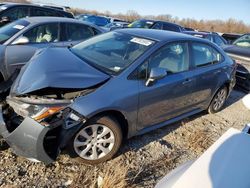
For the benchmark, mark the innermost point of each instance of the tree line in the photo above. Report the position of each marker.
(229, 26)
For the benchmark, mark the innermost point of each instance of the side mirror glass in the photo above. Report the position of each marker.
(21, 40)
(155, 74)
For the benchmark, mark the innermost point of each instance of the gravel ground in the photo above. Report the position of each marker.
(142, 161)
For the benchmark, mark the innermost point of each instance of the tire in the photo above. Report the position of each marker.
(218, 100)
(85, 141)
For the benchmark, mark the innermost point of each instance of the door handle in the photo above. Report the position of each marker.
(188, 80)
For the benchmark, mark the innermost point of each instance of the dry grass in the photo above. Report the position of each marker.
(114, 176)
(200, 140)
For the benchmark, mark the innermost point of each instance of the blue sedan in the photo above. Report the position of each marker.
(90, 97)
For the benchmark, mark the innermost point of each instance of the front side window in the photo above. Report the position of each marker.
(79, 32)
(97, 20)
(43, 33)
(204, 55)
(174, 58)
(16, 13)
(243, 41)
(158, 25)
(9, 30)
(171, 27)
(112, 52)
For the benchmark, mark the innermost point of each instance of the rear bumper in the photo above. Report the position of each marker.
(27, 139)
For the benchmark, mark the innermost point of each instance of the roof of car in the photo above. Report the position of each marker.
(148, 20)
(45, 19)
(48, 19)
(196, 33)
(11, 4)
(158, 35)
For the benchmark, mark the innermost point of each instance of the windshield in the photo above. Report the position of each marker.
(243, 41)
(141, 24)
(11, 29)
(112, 52)
(97, 20)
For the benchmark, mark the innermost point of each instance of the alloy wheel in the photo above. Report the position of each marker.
(219, 99)
(94, 142)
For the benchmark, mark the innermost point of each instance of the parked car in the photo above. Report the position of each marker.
(240, 52)
(10, 12)
(116, 25)
(231, 37)
(154, 24)
(20, 40)
(123, 83)
(231, 148)
(211, 36)
(94, 19)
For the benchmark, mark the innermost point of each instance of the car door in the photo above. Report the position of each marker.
(170, 96)
(206, 69)
(76, 33)
(39, 36)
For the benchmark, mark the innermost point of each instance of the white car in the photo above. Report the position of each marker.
(224, 165)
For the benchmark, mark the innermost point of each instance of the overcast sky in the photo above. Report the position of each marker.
(198, 9)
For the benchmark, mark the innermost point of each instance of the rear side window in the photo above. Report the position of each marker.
(170, 27)
(43, 12)
(43, 33)
(79, 32)
(204, 55)
(16, 13)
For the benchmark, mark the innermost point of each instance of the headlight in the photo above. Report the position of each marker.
(45, 112)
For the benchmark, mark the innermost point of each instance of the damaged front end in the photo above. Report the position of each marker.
(36, 120)
(38, 128)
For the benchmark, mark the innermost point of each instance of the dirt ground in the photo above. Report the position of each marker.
(142, 161)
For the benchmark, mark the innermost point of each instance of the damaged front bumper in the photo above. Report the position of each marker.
(38, 141)
(27, 139)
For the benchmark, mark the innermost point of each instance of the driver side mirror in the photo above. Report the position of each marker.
(156, 74)
(21, 40)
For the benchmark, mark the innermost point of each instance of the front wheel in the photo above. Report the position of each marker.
(98, 141)
(218, 100)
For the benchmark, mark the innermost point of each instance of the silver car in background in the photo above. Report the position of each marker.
(20, 40)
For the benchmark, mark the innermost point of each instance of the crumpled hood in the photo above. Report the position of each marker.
(56, 68)
(237, 50)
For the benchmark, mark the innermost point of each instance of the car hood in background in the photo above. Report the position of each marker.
(56, 68)
(236, 50)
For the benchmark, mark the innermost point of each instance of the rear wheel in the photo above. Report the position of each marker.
(99, 141)
(218, 100)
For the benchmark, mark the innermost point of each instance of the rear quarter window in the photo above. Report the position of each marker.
(205, 55)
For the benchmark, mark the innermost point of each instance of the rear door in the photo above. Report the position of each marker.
(206, 69)
(170, 96)
(40, 36)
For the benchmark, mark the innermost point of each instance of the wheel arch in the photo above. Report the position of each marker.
(119, 116)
